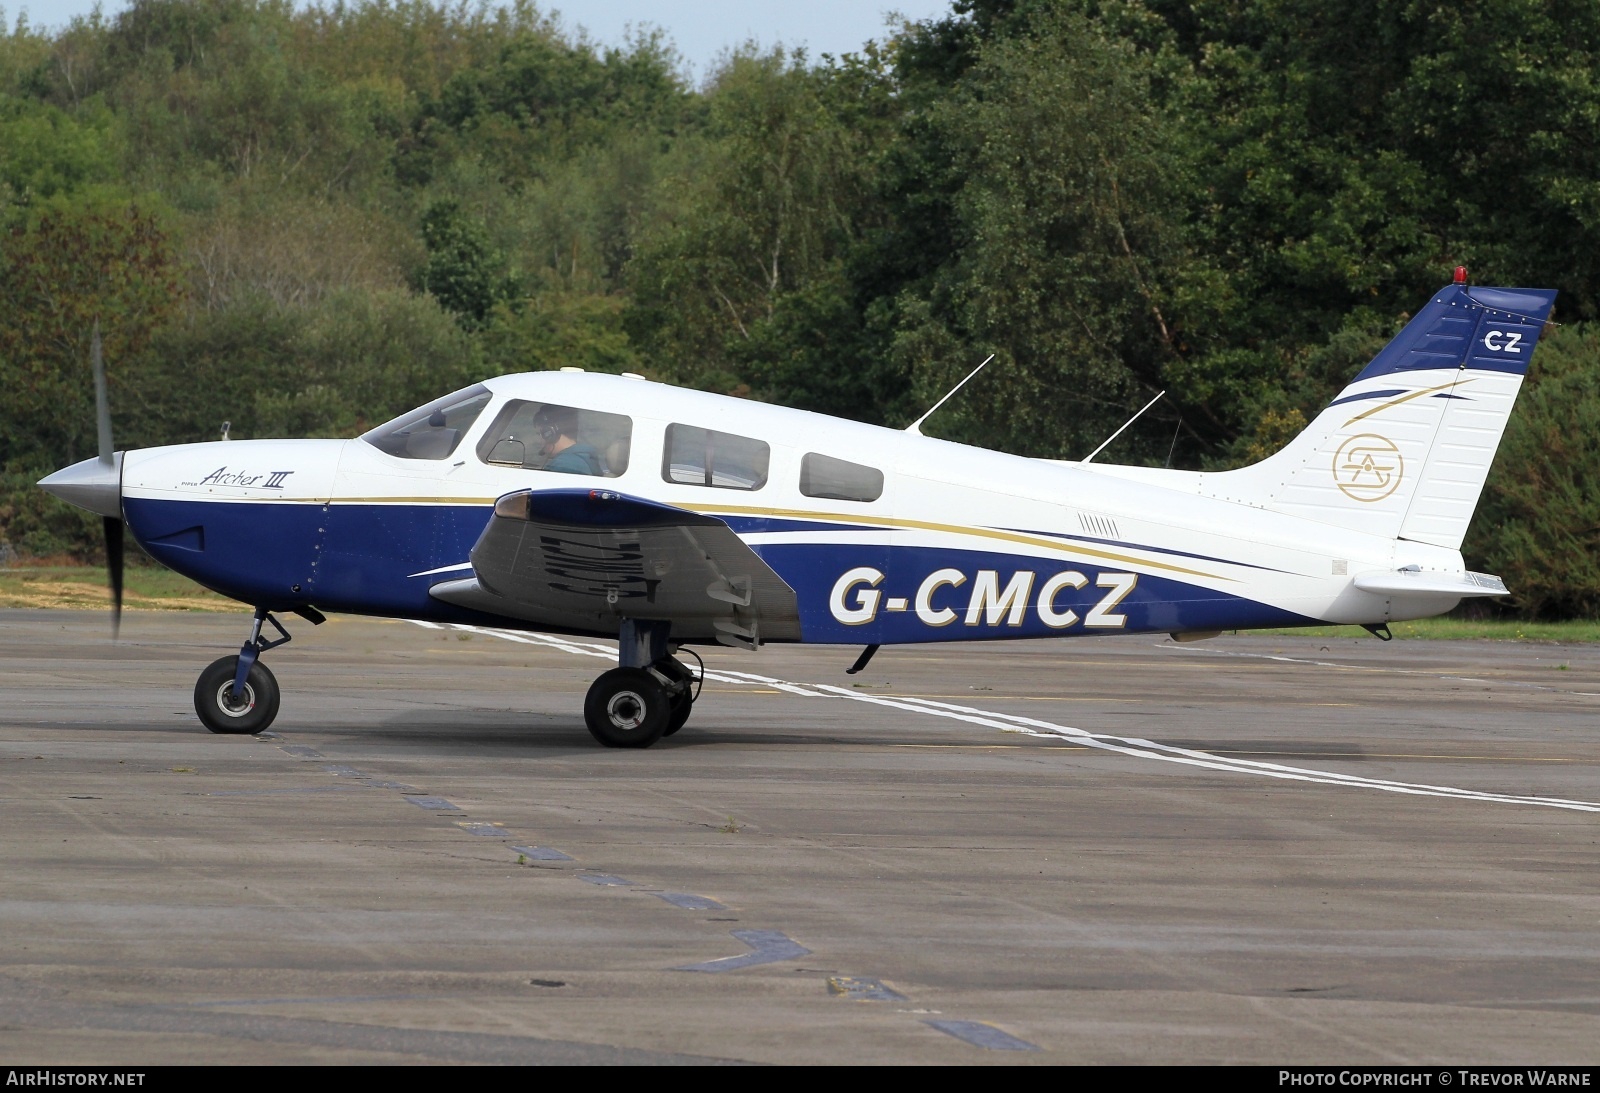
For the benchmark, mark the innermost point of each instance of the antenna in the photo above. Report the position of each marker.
(915, 427)
(1125, 424)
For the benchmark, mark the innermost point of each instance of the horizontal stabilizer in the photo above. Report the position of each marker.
(1412, 583)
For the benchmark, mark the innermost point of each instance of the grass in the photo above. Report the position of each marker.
(1453, 629)
(84, 588)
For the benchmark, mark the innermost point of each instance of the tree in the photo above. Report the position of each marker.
(71, 268)
(771, 197)
(1538, 524)
(1067, 248)
(463, 273)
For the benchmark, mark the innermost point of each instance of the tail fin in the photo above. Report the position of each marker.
(1404, 450)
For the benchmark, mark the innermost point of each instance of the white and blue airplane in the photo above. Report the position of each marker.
(615, 507)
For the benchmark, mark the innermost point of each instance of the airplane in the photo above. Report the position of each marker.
(612, 506)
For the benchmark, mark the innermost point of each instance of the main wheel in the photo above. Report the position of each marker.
(627, 708)
(681, 700)
(221, 712)
(681, 704)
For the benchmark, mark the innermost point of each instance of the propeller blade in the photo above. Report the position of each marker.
(114, 570)
(102, 399)
(113, 524)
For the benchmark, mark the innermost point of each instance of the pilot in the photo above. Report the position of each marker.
(557, 427)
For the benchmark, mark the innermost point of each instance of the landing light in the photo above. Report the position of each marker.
(513, 505)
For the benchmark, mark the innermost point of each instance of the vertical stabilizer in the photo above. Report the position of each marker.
(1404, 450)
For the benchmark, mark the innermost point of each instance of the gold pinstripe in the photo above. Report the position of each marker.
(847, 518)
(1406, 398)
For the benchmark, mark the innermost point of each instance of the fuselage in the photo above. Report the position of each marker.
(947, 542)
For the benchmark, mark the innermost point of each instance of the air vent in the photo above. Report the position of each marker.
(1101, 526)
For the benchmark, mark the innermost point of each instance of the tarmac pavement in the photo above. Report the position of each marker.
(1279, 850)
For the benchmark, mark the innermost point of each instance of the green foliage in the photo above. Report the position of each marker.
(462, 272)
(37, 525)
(72, 269)
(559, 330)
(770, 202)
(347, 362)
(1538, 524)
(541, 99)
(303, 220)
(1067, 225)
(46, 152)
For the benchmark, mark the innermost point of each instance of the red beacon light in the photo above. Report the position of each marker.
(1461, 275)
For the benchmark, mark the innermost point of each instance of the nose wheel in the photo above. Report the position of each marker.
(222, 710)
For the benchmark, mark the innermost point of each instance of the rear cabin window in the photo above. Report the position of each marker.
(703, 457)
(825, 476)
(431, 431)
(544, 436)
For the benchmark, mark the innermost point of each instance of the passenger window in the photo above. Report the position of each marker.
(542, 436)
(701, 457)
(431, 431)
(825, 476)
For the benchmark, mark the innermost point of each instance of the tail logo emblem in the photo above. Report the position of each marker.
(1368, 467)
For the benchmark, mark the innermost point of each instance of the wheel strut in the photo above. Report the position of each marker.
(253, 647)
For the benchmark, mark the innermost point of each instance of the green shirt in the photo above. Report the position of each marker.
(581, 458)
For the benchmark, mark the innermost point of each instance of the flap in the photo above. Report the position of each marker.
(587, 559)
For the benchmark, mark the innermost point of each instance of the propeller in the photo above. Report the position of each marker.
(112, 524)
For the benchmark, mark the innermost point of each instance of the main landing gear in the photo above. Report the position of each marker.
(650, 695)
(239, 694)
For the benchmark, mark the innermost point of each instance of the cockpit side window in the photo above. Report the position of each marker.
(824, 476)
(431, 431)
(701, 457)
(545, 436)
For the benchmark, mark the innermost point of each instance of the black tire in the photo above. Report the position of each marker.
(681, 705)
(213, 698)
(627, 708)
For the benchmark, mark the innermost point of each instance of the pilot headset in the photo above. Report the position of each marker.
(546, 425)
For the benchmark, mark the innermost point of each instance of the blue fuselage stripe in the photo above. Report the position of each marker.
(374, 559)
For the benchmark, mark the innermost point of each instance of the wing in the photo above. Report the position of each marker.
(585, 560)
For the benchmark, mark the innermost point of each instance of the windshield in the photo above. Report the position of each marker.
(431, 431)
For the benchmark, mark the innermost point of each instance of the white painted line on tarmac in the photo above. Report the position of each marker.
(1131, 746)
(1150, 749)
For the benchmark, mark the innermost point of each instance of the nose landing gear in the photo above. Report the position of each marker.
(239, 694)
